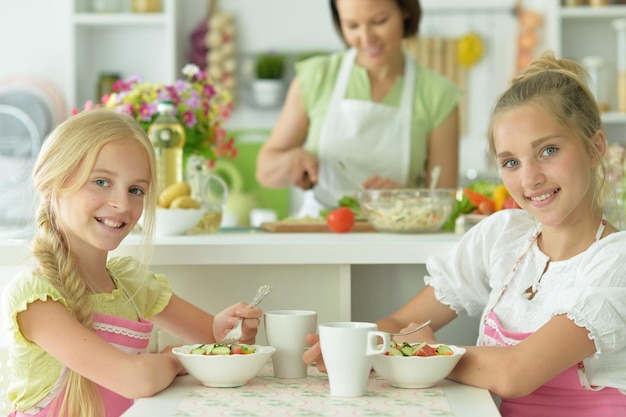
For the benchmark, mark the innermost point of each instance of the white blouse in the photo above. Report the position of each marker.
(590, 287)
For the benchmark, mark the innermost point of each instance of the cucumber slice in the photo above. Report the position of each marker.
(407, 350)
(443, 350)
(200, 350)
(247, 349)
(417, 347)
(220, 350)
(394, 352)
(393, 344)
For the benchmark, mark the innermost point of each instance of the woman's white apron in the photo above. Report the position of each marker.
(369, 138)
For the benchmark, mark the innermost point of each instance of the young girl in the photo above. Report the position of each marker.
(78, 322)
(549, 280)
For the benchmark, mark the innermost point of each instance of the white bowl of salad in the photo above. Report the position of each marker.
(417, 365)
(223, 366)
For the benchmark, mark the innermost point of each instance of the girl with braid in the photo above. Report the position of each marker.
(80, 321)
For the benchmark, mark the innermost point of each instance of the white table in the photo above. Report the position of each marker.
(463, 400)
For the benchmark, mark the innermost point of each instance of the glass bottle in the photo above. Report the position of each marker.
(168, 138)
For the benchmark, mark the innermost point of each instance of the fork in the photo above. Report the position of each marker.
(421, 326)
(235, 333)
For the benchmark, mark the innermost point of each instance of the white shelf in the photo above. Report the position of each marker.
(116, 19)
(614, 118)
(588, 12)
(126, 43)
(585, 31)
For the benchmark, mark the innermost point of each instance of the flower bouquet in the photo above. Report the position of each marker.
(201, 109)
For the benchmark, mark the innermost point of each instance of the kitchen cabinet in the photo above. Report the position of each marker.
(577, 32)
(124, 42)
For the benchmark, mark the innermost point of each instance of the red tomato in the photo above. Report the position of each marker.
(236, 350)
(340, 220)
(427, 350)
(510, 203)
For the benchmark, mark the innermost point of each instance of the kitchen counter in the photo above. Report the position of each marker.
(352, 276)
(253, 247)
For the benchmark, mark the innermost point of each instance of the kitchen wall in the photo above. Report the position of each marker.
(35, 41)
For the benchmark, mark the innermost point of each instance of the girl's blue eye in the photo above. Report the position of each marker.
(510, 163)
(550, 150)
(137, 191)
(102, 183)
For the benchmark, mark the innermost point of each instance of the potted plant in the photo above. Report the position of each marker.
(267, 86)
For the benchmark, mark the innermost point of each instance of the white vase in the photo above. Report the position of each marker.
(267, 93)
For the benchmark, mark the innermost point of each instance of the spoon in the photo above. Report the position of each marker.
(421, 326)
(235, 333)
(434, 177)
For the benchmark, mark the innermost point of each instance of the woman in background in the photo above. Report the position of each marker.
(373, 108)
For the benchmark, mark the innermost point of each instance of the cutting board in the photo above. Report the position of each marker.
(310, 227)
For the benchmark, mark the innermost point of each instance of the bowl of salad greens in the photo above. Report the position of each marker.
(223, 366)
(417, 365)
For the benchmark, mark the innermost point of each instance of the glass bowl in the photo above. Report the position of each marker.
(419, 210)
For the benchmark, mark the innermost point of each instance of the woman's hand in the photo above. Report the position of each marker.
(303, 168)
(227, 319)
(378, 183)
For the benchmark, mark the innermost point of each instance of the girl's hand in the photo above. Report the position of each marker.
(314, 354)
(423, 335)
(167, 351)
(227, 319)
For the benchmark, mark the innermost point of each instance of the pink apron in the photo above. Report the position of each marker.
(566, 395)
(132, 337)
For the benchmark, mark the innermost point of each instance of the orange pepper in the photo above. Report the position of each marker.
(477, 199)
(500, 194)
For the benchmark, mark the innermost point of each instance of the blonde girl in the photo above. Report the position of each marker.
(80, 323)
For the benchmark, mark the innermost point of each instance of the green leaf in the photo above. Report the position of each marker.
(462, 206)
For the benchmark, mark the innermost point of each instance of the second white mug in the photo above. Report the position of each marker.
(348, 349)
(286, 330)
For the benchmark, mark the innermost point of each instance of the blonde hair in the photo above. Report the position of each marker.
(72, 148)
(558, 86)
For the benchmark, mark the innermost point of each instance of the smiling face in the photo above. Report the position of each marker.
(374, 28)
(101, 213)
(544, 165)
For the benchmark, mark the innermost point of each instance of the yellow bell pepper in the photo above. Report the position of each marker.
(500, 194)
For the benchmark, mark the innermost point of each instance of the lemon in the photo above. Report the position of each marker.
(470, 49)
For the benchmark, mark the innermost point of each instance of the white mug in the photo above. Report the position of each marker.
(347, 349)
(286, 331)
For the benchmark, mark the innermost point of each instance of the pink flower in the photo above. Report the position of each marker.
(202, 109)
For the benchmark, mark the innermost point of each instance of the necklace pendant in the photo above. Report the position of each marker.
(530, 293)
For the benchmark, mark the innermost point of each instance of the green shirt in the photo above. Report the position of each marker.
(435, 98)
(34, 371)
